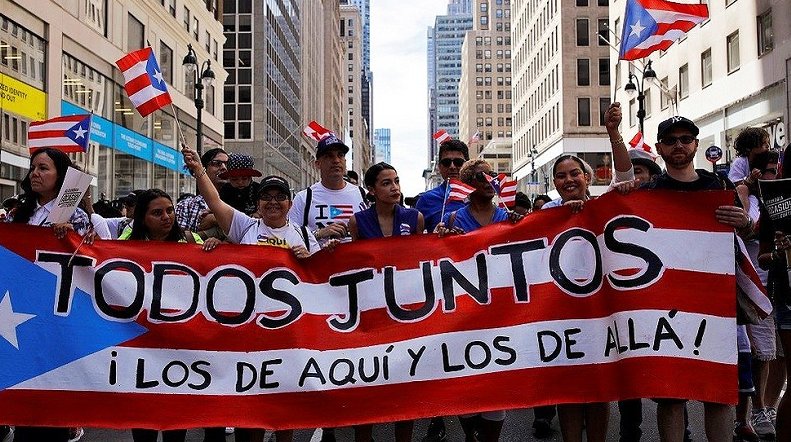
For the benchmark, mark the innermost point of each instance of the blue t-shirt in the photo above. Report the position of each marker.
(465, 221)
(404, 223)
(430, 205)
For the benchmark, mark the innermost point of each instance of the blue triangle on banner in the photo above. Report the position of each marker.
(33, 340)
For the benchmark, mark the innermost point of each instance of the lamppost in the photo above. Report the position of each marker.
(190, 64)
(631, 88)
(533, 153)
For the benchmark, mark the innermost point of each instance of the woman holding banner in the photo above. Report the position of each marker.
(480, 212)
(41, 187)
(385, 218)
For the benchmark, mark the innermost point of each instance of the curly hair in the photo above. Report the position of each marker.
(467, 172)
(748, 139)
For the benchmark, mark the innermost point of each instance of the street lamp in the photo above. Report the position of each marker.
(190, 64)
(639, 88)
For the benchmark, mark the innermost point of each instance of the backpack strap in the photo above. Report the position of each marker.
(363, 194)
(308, 200)
(305, 237)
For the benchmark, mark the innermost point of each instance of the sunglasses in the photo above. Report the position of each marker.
(218, 163)
(671, 141)
(446, 162)
(481, 176)
(773, 171)
(269, 197)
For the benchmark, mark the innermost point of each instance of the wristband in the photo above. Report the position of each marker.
(201, 173)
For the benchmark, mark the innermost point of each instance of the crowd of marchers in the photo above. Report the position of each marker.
(232, 207)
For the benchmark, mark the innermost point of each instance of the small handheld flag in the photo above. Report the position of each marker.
(476, 137)
(68, 134)
(442, 136)
(458, 190)
(315, 131)
(508, 192)
(143, 81)
(651, 25)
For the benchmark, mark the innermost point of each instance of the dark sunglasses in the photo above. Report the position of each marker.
(218, 163)
(269, 197)
(481, 176)
(773, 171)
(671, 141)
(446, 162)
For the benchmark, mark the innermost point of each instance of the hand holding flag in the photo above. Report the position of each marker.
(143, 81)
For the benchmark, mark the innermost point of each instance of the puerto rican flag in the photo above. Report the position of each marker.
(459, 191)
(638, 142)
(315, 131)
(441, 136)
(651, 25)
(68, 134)
(341, 211)
(143, 81)
(504, 188)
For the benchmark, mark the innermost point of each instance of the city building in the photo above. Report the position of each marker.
(497, 152)
(447, 38)
(335, 74)
(382, 146)
(262, 54)
(561, 88)
(728, 73)
(366, 82)
(58, 58)
(485, 85)
(359, 133)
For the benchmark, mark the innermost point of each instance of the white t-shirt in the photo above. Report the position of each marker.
(740, 169)
(247, 230)
(327, 206)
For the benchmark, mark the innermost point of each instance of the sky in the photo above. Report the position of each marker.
(398, 62)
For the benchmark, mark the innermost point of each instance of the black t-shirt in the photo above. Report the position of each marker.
(777, 281)
(706, 181)
(244, 200)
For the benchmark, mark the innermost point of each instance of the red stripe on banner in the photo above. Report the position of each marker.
(74, 118)
(71, 148)
(353, 406)
(701, 10)
(681, 25)
(153, 104)
(132, 58)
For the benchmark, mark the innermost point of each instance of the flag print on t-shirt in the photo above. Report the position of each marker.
(272, 241)
(341, 211)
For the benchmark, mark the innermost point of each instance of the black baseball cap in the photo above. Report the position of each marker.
(672, 122)
(275, 182)
(329, 142)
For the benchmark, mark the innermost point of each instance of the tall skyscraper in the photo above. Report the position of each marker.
(366, 83)
(447, 38)
(558, 105)
(485, 86)
(382, 145)
(359, 133)
(262, 110)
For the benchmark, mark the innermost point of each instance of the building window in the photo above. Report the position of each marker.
(765, 33)
(583, 72)
(683, 81)
(604, 72)
(584, 111)
(484, 6)
(166, 62)
(664, 99)
(186, 18)
(583, 39)
(647, 103)
(136, 34)
(602, 37)
(732, 43)
(604, 104)
(705, 68)
(172, 7)
(582, 2)
(632, 112)
(195, 28)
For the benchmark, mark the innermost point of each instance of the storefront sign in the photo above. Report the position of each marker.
(777, 135)
(166, 156)
(22, 99)
(131, 142)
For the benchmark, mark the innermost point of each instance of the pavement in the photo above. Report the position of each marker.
(517, 427)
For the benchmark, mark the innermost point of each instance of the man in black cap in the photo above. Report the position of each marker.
(677, 145)
(326, 206)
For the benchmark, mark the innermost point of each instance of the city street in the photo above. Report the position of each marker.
(517, 428)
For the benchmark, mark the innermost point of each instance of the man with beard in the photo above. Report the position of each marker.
(677, 145)
(326, 206)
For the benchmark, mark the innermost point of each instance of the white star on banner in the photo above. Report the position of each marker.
(637, 29)
(10, 320)
(158, 76)
(80, 132)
